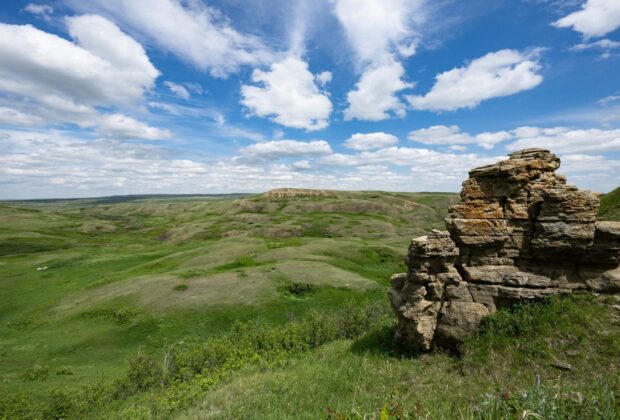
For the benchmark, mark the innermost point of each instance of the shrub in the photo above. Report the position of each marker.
(59, 406)
(180, 287)
(64, 370)
(142, 374)
(299, 289)
(118, 316)
(37, 372)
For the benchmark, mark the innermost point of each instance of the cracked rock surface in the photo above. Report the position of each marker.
(519, 233)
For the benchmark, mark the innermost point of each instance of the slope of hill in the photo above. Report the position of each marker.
(85, 283)
(257, 306)
(610, 205)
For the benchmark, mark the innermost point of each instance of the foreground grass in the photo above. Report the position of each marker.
(556, 360)
(552, 360)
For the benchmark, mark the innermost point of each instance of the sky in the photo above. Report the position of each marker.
(112, 97)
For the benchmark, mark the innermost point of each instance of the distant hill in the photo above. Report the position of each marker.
(117, 199)
(610, 206)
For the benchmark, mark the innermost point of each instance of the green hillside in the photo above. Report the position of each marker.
(259, 307)
(610, 206)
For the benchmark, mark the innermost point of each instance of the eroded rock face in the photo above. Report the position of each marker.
(519, 233)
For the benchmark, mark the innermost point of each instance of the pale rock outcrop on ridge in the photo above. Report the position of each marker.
(519, 233)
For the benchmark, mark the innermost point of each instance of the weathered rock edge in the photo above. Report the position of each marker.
(520, 233)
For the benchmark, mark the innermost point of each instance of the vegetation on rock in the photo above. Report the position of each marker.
(610, 206)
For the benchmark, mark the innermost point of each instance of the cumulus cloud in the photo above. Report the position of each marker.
(378, 28)
(122, 126)
(177, 89)
(103, 66)
(427, 169)
(442, 135)
(287, 94)
(53, 164)
(374, 97)
(191, 30)
(302, 165)
(39, 9)
(51, 79)
(596, 18)
(567, 140)
(370, 141)
(380, 31)
(496, 74)
(277, 149)
(323, 78)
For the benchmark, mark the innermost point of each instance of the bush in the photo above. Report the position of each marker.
(299, 289)
(180, 287)
(142, 374)
(64, 370)
(37, 372)
(118, 316)
(59, 406)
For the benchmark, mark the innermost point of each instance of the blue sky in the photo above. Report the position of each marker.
(101, 97)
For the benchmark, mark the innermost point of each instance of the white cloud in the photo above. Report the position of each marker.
(442, 135)
(53, 164)
(277, 149)
(103, 67)
(596, 18)
(496, 74)
(53, 80)
(401, 156)
(11, 116)
(604, 44)
(379, 31)
(374, 97)
(370, 141)
(177, 89)
(302, 165)
(323, 78)
(124, 127)
(608, 99)
(287, 94)
(193, 31)
(39, 9)
(567, 140)
(378, 28)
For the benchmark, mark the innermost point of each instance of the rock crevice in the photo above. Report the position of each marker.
(519, 233)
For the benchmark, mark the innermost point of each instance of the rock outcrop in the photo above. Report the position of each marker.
(296, 192)
(519, 233)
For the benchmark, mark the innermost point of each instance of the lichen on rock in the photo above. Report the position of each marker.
(520, 233)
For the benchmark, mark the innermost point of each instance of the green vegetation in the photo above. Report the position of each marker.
(610, 206)
(244, 307)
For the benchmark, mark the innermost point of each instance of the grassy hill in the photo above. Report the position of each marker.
(249, 306)
(610, 206)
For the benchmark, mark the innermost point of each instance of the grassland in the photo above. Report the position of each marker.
(610, 205)
(106, 304)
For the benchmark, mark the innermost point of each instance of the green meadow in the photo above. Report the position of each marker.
(242, 306)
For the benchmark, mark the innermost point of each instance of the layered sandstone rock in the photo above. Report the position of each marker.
(519, 233)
